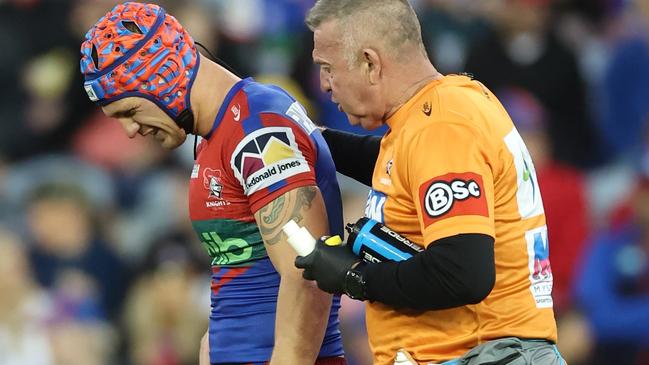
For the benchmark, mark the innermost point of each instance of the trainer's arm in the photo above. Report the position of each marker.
(354, 155)
(302, 308)
(452, 272)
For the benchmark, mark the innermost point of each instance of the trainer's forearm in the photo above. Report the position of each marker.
(301, 321)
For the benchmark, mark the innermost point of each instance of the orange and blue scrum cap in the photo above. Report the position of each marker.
(139, 50)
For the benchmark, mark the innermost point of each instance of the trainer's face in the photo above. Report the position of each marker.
(350, 87)
(143, 117)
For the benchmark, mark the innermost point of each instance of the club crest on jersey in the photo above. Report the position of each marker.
(452, 195)
(267, 156)
(212, 182)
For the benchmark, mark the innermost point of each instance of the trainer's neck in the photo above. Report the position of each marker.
(405, 87)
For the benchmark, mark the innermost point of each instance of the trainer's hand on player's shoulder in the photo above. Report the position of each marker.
(328, 264)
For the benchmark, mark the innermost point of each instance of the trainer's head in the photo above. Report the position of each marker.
(363, 48)
(139, 65)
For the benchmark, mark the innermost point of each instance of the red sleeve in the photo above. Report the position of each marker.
(274, 159)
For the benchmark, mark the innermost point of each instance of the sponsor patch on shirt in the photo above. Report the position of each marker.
(451, 195)
(195, 171)
(267, 156)
(298, 114)
(538, 251)
(375, 205)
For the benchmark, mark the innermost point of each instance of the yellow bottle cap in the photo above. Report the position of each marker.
(333, 241)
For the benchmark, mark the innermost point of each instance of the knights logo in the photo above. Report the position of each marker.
(212, 182)
(427, 108)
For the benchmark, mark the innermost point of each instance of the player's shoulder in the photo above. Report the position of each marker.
(274, 103)
(265, 98)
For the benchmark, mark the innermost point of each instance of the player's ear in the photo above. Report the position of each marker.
(371, 65)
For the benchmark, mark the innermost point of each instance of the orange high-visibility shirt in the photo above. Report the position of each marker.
(452, 163)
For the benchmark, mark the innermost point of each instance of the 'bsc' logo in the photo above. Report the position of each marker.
(453, 195)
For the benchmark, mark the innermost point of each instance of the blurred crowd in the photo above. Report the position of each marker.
(98, 261)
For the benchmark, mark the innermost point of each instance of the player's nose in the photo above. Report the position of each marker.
(130, 127)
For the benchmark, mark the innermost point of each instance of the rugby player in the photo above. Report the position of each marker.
(261, 163)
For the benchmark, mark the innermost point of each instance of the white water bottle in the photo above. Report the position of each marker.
(299, 238)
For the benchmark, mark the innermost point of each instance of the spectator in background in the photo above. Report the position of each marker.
(449, 27)
(625, 115)
(24, 308)
(164, 315)
(523, 51)
(66, 244)
(41, 102)
(76, 341)
(613, 288)
(146, 187)
(563, 188)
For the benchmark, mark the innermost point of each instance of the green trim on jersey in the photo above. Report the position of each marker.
(230, 242)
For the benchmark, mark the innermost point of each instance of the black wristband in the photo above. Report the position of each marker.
(354, 284)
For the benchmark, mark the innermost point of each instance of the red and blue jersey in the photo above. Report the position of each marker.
(262, 145)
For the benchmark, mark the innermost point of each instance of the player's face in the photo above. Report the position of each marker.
(143, 117)
(349, 86)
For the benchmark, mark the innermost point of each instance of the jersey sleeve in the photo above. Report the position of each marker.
(449, 175)
(275, 156)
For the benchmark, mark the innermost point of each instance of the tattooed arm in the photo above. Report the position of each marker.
(302, 308)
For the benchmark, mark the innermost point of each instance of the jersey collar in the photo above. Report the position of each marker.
(226, 102)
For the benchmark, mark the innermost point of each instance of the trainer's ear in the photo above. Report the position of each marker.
(371, 65)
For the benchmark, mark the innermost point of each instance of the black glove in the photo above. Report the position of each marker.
(328, 265)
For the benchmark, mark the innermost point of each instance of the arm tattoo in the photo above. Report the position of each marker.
(275, 210)
(282, 210)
